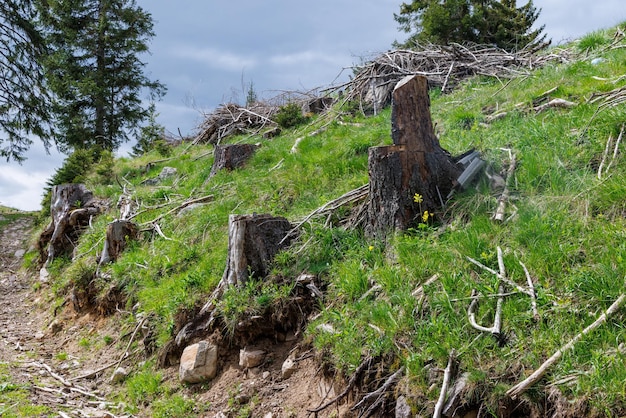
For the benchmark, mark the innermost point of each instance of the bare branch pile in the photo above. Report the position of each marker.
(231, 119)
(444, 66)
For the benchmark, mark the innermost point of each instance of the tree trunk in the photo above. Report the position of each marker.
(231, 156)
(414, 164)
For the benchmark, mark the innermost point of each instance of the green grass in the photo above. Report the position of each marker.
(567, 228)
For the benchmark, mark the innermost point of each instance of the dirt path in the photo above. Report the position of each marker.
(35, 356)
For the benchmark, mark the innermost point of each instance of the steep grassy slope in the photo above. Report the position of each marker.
(565, 224)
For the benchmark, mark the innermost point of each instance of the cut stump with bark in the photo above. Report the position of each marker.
(71, 209)
(253, 241)
(231, 156)
(414, 164)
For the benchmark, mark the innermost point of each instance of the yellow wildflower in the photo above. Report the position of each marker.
(425, 216)
(418, 198)
(371, 247)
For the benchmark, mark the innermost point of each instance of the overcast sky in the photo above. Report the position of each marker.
(204, 50)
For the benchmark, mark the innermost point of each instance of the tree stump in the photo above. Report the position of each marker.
(253, 241)
(231, 156)
(71, 210)
(118, 233)
(414, 164)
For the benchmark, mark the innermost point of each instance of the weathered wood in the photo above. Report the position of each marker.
(71, 209)
(414, 164)
(118, 233)
(231, 156)
(253, 241)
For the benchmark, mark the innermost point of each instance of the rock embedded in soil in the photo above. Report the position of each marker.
(198, 363)
(249, 359)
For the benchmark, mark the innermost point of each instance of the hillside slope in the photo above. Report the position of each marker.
(386, 314)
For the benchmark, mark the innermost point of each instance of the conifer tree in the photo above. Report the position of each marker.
(95, 71)
(24, 103)
(495, 22)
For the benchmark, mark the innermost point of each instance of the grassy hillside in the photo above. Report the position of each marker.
(565, 223)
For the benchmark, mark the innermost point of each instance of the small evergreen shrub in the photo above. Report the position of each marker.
(289, 116)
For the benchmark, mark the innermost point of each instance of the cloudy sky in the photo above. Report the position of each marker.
(207, 51)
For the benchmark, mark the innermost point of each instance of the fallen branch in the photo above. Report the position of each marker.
(376, 397)
(420, 289)
(177, 208)
(496, 329)
(447, 376)
(505, 279)
(504, 197)
(533, 293)
(605, 154)
(349, 197)
(355, 376)
(521, 387)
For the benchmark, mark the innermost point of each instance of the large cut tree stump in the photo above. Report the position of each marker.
(253, 241)
(71, 209)
(231, 156)
(414, 164)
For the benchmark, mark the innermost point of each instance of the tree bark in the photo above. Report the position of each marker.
(414, 164)
(231, 156)
(253, 241)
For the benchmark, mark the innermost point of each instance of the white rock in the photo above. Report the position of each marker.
(167, 172)
(248, 359)
(198, 363)
(288, 368)
(403, 410)
(119, 375)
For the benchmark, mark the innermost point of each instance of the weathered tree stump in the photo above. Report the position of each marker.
(253, 241)
(414, 164)
(118, 233)
(231, 156)
(71, 209)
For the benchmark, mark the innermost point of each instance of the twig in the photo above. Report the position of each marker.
(615, 151)
(420, 289)
(355, 376)
(351, 196)
(125, 354)
(177, 208)
(505, 279)
(499, 215)
(375, 397)
(521, 387)
(157, 228)
(447, 376)
(95, 372)
(533, 293)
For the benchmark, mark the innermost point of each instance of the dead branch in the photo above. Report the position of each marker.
(504, 197)
(377, 397)
(505, 279)
(420, 289)
(353, 379)
(183, 205)
(521, 387)
(605, 154)
(350, 197)
(554, 103)
(533, 293)
(125, 354)
(318, 131)
(447, 376)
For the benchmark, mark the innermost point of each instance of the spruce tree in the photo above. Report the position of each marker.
(24, 103)
(95, 71)
(495, 22)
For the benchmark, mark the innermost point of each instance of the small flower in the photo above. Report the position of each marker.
(418, 198)
(371, 248)
(425, 216)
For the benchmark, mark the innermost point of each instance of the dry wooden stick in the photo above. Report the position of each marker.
(355, 376)
(420, 289)
(505, 279)
(378, 393)
(521, 387)
(125, 354)
(615, 149)
(499, 214)
(447, 376)
(179, 207)
(533, 293)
